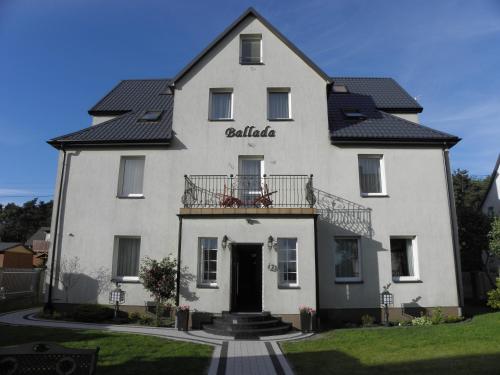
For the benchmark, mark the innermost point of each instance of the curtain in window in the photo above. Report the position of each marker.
(128, 257)
(347, 258)
(409, 257)
(402, 257)
(369, 175)
(133, 174)
(250, 50)
(278, 105)
(249, 179)
(221, 105)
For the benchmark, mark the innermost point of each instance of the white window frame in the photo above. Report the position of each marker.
(116, 250)
(271, 90)
(252, 37)
(383, 184)
(201, 281)
(414, 248)
(356, 279)
(121, 176)
(262, 170)
(285, 284)
(223, 90)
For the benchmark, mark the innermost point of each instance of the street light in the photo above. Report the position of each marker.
(386, 299)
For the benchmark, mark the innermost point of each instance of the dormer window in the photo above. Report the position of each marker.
(151, 116)
(353, 114)
(251, 49)
(338, 88)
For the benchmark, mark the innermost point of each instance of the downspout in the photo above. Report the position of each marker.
(49, 306)
(179, 246)
(454, 227)
(316, 262)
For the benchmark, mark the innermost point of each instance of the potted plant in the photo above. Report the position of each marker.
(182, 317)
(307, 316)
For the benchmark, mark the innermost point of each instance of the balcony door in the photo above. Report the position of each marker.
(250, 174)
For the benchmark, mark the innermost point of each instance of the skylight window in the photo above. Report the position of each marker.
(353, 114)
(340, 88)
(151, 116)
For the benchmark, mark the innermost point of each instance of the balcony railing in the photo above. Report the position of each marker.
(243, 191)
(275, 191)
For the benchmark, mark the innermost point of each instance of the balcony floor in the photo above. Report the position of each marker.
(247, 211)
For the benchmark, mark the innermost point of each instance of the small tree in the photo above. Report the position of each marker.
(494, 251)
(159, 279)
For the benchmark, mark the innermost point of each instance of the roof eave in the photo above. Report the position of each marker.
(58, 144)
(248, 12)
(445, 142)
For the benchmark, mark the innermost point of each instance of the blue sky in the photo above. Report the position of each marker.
(58, 57)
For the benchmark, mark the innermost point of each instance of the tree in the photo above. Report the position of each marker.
(17, 223)
(473, 225)
(159, 278)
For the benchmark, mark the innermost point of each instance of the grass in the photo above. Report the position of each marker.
(463, 348)
(120, 353)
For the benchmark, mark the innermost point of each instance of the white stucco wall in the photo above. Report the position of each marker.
(493, 197)
(416, 203)
(413, 117)
(100, 119)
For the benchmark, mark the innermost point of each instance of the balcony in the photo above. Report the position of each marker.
(276, 194)
(248, 191)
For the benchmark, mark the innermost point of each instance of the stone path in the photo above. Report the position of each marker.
(241, 357)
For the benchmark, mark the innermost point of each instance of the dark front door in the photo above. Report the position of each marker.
(246, 278)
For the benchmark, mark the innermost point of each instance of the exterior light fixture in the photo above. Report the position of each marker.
(116, 297)
(225, 241)
(386, 299)
(3, 294)
(270, 243)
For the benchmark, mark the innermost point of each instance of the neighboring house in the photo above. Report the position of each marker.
(15, 255)
(272, 183)
(491, 202)
(39, 243)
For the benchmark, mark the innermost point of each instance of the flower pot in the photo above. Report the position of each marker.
(182, 320)
(305, 322)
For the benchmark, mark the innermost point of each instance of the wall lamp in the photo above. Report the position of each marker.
(271, 243)
(225, 242)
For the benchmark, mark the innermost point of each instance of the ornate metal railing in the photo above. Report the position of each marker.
(279, 191)
(211, 191)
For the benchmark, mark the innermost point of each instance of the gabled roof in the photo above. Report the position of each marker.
(387, 94)
(129, 100)
(4, 246)
(377, 126)
(493, 178)
(250, 12)
(37, 236)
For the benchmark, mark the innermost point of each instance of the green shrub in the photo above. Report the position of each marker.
(405, 323)
(424, 320)
(494, 297)
(438, 317)
(454, 319)
(367, 320)
(94, 313)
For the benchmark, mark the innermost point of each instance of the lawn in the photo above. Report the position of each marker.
(121, 353)
(461, 348)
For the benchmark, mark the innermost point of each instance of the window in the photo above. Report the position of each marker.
(371, 175)
(287, 261)
(127, 250)
(251, 172)
(278, 104)
(131, 176)
(338, 88)
(150, 116)
(404, 258)
(208, 261)
(221, 104)
(347, 260)
(353, 114)
(251, 49)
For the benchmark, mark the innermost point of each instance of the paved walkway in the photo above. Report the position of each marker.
(241, 357)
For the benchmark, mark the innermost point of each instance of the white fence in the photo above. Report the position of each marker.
(21, 282)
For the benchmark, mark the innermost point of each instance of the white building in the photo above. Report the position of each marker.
(273, 183)
(491, 202)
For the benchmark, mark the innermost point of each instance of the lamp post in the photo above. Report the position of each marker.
(116, 297)
(386, 299)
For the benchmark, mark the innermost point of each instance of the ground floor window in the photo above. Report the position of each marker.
(287, 261)
(208, 261)
(127, 258)
(403, 258)
(347, 259)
